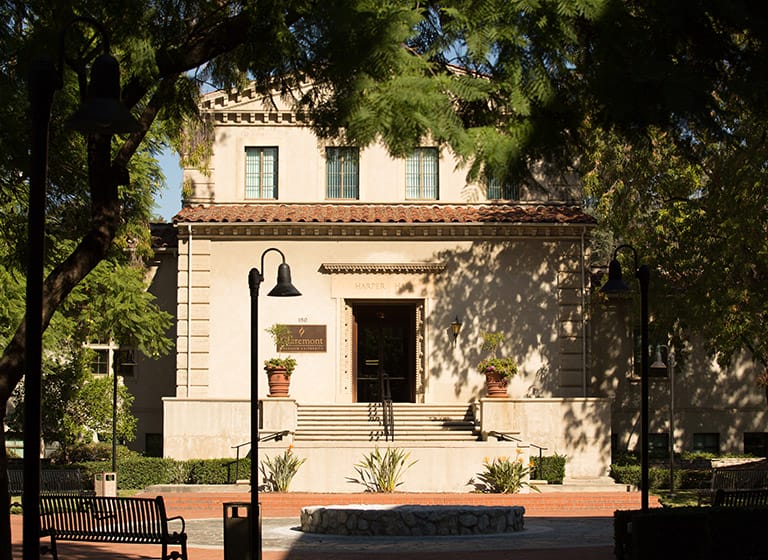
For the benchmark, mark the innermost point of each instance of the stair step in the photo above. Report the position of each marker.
(363, 422)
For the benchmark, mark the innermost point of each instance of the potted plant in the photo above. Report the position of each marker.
(497, 371)
(279, 369)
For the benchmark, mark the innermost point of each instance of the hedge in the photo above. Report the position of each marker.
(549, 467)
(658, 477)
(140, 472)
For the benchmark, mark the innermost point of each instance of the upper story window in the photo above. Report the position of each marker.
(421, 177)
(501, 190)
(100, 361)
(342, 175)
(261, 173)
(105, 357)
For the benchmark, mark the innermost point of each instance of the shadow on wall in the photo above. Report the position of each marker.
(513, 287)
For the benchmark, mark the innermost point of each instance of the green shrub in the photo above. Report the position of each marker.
(382, 472)
(625, 458)
(659, 477)
(549, 467)
(216, 471)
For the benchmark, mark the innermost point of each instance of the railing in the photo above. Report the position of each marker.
(509, 437)
(275, 436)
(388, 419)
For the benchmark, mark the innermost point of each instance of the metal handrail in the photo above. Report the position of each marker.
(507, 437)
(276, 436)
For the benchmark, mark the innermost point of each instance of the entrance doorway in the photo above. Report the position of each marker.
(385, 346)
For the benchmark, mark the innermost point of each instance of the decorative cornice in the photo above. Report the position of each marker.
(389, 232)
(383, 268)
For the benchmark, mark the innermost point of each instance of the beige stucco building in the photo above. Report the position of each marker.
(387, 253)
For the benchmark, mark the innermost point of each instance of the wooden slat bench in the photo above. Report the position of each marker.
(733, 479)
(743, 497)
(110, 519)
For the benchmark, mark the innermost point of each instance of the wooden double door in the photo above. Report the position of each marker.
(385, 346)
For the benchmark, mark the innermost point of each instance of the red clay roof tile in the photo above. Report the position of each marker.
(385, 213)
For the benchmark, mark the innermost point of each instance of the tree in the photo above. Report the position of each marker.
(503, 84)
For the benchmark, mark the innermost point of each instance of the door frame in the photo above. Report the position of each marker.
(349, 348)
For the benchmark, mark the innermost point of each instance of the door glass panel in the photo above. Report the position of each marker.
(384, 355)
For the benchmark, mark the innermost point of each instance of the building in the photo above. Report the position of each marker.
(388, 253)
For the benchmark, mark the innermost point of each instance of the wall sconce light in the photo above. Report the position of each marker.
(455, 329)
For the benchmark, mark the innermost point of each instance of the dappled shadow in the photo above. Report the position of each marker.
(530, 290)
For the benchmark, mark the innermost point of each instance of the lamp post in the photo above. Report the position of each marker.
(669, 369)
(283, 288)
(102, 113)
(615, 285)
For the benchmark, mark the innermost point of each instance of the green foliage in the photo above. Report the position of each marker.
(625, 458)
(382, 472)
(549, 467)
(113, 304)
(288, 363)
(503, 475)
(281, 335)
(136, 472)
(505, 367)
(658, 477)
(212, 471)
(279, 471)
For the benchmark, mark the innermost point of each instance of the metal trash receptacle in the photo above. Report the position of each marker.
(237, 531)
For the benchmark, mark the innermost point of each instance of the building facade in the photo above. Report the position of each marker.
(387, 254)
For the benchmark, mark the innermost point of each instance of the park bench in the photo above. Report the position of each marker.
(742, 497)
(52, 481)
(733, 479)
(110, 519)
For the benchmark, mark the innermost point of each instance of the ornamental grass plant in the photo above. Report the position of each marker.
(279, 472)
(503, 475)
(382, 472)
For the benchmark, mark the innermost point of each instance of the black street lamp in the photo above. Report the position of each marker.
(615, 285)
(283, 288)
(668, 370)
(102, 112)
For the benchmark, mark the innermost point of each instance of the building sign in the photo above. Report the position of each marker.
(306, 338)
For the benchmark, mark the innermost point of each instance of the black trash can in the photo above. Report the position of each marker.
(237, 531)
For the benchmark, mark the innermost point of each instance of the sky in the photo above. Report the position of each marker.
(169, 202)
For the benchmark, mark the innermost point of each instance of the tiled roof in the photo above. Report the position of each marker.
(386, 213)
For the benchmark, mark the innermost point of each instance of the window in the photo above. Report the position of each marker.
(707, 442)
(100, 362)
(756, 444)
(421, 180)
(658, 446)
(341, 173)
(153, 445)
(261, 173)
(498, 190)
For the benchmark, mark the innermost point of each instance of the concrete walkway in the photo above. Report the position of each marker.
(563, 525)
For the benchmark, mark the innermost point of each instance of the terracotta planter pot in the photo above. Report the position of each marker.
(279, 381)
(496, 385)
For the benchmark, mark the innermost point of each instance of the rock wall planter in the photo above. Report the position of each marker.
(412, 520)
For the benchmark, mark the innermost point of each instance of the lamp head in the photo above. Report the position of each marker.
(658, 368)
(102, 111)
(615, 283)
(284, 287)
(455, 327)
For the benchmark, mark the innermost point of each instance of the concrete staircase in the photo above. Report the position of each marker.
(364, 422)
